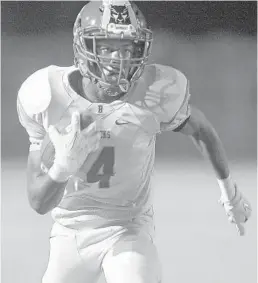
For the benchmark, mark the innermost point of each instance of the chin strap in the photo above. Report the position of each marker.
(124, 85)
(110, 90)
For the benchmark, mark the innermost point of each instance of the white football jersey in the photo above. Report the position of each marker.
(115, 181)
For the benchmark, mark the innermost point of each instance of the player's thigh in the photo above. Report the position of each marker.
(134, 259)
(66, 264)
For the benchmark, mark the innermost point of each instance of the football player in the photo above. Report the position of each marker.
(99, 185)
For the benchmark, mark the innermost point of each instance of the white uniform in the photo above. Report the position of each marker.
(106, 212)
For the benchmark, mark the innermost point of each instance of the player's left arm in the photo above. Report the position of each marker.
(206, 139)
(177, 115)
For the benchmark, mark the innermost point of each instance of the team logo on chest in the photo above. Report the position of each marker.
(100, 108)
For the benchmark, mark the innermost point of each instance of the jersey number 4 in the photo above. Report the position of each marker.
(103, 168)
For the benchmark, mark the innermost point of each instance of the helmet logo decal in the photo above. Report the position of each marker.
(119, 15)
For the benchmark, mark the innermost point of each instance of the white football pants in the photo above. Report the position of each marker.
(123, 250)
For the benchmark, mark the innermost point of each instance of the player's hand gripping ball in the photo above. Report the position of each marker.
(68, 148)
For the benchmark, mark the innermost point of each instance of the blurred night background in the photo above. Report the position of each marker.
(214, 43)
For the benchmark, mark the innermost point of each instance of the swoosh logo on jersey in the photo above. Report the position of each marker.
(121, 122)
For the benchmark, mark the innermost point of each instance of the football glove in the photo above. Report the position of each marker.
(72, 148)
(238, 210)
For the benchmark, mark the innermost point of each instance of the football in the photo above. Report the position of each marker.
(47, 150)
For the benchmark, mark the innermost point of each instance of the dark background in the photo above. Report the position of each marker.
(186, 17)
(214, 44)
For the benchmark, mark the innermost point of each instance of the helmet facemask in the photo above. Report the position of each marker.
(97, 66)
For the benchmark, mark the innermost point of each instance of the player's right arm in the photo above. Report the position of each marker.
(46, 188)
(71, 149)
(43, 192)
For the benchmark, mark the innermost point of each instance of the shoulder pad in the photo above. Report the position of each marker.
(168, 80)
(166, 90)
(35, 93)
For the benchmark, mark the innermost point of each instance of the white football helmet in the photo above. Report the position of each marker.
(120, 20)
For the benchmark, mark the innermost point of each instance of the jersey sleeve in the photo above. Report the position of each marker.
(174, 98)
(33, 99)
